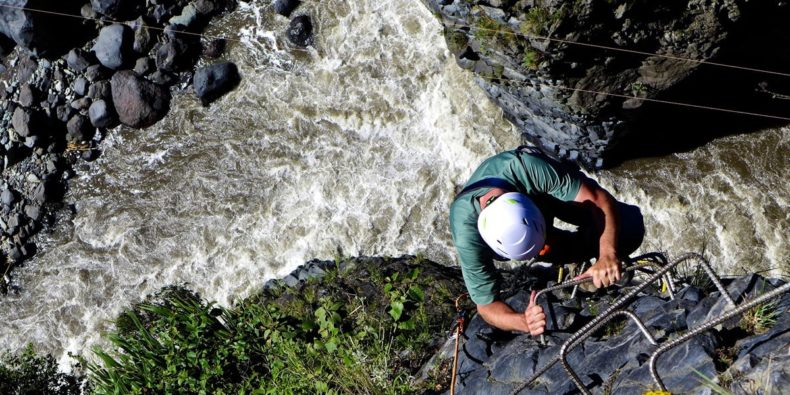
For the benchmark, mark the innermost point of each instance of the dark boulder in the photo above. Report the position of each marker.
(117, 9)
(285, 7)
(79, 60)
(214, 48)
(114, 46)
(41, 33)
(300, 31)
(138, 103)
(213, 81)
(101, 115)
(97, 72)
(63, 112)
(213, 7)
(79, 128)
(81, 104)
(100, 90)
(164, 78)
(144, 65)
(26, 122)
(176, 54)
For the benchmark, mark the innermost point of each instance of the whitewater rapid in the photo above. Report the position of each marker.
(353, 147)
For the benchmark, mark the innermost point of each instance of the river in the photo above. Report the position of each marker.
(354, 147)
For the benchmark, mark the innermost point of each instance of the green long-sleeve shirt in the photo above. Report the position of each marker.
(527, 172)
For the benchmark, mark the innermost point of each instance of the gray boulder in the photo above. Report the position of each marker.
(113, 48)
(80, 86)
(138, 103)
(101, 115)
(213, 81)
(25, 122)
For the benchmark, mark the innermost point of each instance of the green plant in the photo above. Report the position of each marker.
(760, 318)
(344, 336)
(29, 373)
(531, 59)
(711, 384)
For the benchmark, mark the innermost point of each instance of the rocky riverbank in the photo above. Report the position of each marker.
(585, 102)
(75, 70)
(380, 324)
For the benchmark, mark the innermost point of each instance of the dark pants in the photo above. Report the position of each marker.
(582, 244)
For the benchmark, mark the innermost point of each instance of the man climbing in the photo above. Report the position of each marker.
(506, 211)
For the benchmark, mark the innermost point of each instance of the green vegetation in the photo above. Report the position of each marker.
(539, 19)
(711, 384)
(28, 373)
(352, 335)
(761, 318)
(456, 41)
(531, 59)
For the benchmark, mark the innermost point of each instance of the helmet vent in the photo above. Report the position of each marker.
(526, 221)
(499, 241)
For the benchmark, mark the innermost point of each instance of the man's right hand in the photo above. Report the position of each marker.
(536, 320)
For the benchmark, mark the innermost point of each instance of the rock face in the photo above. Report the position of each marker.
(213, 81)
(556, 92)
(138, 103)
(117, 9)
(615, 357)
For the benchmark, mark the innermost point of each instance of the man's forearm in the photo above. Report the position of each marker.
(502, 316)
(608, 241)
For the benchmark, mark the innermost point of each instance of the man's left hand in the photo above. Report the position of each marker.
(605, 272)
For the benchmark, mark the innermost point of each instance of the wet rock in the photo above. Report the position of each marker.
(114, 46)
(285, 7)
(79, 60)
(101, 115)
(290, 280)
(214, 48)
(300, 31)
(80, 86)
(164, 78)
(188, 18)
(211, 7)
(176, 54)
(79, 128)
(138, 103)
(211, 82)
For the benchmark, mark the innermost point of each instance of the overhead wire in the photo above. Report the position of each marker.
(526, 36)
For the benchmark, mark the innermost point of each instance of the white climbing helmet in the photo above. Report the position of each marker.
(513, 226)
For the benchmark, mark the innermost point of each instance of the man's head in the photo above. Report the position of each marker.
(511, 224)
